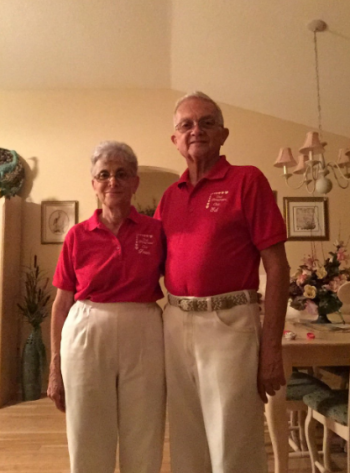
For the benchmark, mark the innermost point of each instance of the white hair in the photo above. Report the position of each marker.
(201, 96)
(111, 150)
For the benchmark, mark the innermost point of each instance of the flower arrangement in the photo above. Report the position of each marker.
(314, 286)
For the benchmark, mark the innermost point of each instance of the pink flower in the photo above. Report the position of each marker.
(302, 276)
(342, 256)
(309, 261)
(338, 281)
(301, 279)
(311, 308)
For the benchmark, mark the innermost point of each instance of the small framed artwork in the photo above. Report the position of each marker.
(306, 218)
(57, 217)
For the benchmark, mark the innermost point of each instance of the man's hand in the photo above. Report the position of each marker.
(55, 390)
(270, 374)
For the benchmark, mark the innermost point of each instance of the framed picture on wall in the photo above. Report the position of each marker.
(57, 217)
(306, 218)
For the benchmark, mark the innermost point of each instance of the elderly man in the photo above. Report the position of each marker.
(219, 221)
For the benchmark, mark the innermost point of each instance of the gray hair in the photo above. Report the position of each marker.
(201, 96)
(111, 150)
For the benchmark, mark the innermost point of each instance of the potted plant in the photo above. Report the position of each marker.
(35, 307)
(148, 209)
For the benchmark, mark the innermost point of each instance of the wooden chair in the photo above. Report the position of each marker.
(342, 372)
(300, 384)
(331, 409)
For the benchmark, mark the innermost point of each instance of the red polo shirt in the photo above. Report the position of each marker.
(216, 230)
(97, 265)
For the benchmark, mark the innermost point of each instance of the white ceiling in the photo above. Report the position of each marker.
(255, 55)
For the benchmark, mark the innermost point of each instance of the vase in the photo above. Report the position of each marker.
(322, 318)
(33, 364)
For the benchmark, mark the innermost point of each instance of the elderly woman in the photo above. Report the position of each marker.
(107, 367)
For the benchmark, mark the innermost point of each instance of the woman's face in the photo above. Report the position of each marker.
(113, 182)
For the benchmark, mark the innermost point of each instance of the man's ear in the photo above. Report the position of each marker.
(174, 139)
(136, 185)
(225, 133)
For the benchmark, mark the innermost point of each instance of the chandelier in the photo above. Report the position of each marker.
(311, 163)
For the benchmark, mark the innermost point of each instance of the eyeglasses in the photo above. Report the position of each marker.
(205, 123)
(120, 176)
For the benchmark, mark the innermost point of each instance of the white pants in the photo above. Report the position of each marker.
(216, 416)
(113, 372)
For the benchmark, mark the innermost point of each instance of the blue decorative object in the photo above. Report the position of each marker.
(11, 173)
(33, 365)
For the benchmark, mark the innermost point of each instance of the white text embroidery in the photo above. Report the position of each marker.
(215, 200)
(143, 243)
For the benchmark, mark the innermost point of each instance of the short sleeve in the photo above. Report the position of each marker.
(264, 219)
(64, 277)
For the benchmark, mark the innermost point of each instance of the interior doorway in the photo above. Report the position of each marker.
(153, 182)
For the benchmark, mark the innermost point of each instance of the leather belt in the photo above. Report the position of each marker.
(219, 302)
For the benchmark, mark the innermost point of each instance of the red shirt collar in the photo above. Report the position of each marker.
(218, 171)
(94, 222)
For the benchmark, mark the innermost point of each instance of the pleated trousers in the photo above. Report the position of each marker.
(113, 372)
(216, 416)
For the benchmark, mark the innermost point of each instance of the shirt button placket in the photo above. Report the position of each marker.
(117, 247)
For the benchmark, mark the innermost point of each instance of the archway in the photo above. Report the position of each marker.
(153, 182)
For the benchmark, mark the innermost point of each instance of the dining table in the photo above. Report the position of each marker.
(314, 345)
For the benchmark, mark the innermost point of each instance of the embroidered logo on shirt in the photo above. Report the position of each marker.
(215, 200)
(143, 243)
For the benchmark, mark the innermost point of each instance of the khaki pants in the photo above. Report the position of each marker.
(113, 373)
(215, 413)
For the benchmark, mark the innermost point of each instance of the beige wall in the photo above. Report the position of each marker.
(55, 132)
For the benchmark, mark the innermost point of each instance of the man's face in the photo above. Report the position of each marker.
(198, 136)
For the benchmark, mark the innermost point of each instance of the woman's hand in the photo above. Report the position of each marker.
(55, 390)
(60, 308)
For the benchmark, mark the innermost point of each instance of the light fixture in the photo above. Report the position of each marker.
(311, 162)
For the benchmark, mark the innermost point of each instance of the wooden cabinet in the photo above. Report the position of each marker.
(10, 274)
